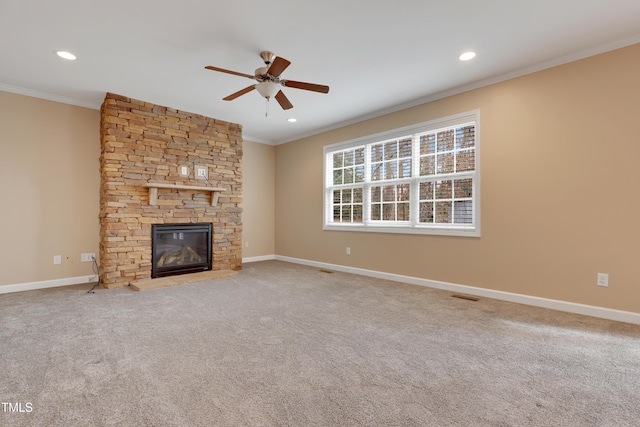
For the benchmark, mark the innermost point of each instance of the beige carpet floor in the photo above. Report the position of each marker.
(288, 345)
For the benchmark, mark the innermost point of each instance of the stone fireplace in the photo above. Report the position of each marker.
(164, 166)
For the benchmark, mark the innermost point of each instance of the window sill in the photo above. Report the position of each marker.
(434, 231)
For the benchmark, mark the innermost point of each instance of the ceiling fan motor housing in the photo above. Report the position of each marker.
(261, 72)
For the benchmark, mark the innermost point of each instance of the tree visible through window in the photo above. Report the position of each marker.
(422, 179)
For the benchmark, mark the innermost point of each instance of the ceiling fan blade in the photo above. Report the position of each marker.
(278, 66)
(239, 93)
(305, 86)
(235, 73)
(283, 100)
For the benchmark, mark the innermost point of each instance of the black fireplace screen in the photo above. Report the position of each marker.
(180, 248)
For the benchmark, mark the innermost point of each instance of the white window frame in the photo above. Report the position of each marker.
(412, 226)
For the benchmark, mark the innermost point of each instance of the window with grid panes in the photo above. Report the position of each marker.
(419, 179)
(347, 179)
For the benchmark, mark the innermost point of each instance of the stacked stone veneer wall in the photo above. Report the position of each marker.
(141, 143)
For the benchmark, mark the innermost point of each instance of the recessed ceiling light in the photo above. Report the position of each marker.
(467, 56)
(66, 55)
(292, 120)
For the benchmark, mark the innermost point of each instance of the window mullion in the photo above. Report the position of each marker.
(366, 191)
(414, 186)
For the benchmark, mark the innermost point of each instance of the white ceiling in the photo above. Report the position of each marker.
(377, 57)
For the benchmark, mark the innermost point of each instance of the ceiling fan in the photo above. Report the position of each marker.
(269, 81)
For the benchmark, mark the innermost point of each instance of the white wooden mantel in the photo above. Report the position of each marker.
(153, 191)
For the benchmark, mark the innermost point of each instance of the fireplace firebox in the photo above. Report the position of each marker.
(180, 248)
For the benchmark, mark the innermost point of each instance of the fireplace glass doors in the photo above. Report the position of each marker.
(180, 248)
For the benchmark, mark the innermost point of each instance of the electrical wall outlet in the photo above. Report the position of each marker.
(88, 257)
(57, 259)
(348, 250)
(603, 279)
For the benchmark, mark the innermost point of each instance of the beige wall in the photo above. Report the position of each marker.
(50, 181)
(559, 180)
(258, 198)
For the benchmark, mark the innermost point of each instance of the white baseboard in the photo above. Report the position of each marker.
(587, 310)
(48, 284)
(258, 258)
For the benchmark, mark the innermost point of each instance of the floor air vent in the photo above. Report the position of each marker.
(467, 297)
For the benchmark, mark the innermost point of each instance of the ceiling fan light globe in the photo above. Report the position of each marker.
(268, 89)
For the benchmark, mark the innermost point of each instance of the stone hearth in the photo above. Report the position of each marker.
(143, 143)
